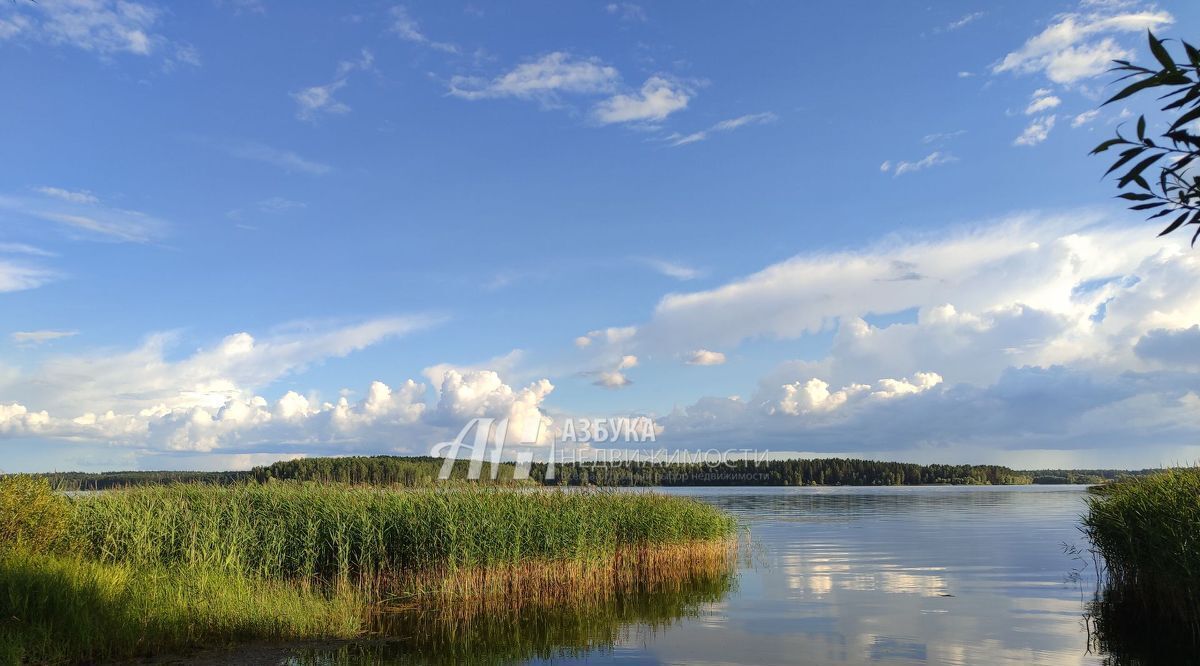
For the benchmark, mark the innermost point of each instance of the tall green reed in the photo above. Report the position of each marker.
(340, 533)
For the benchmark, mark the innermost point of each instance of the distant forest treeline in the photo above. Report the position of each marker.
(418, 471)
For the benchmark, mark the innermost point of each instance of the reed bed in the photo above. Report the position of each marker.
(341, 534)
(1147, 530)
(129, 572)
(63, 609)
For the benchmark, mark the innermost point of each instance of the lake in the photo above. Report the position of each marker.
(902, 575)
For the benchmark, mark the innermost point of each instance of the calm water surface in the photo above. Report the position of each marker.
(936, 575)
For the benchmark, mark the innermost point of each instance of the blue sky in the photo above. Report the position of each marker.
(875, 224)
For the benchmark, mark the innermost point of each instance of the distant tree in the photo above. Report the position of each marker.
(1172, 187)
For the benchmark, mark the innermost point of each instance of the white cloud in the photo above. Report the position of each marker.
(723, 126)
(104, 27)
(501, 365)
(554, 76)
(1074, 47)
(18, 276)
(1024, 278)
(80, 197)
(208, 401)
(941, 137)
(936, 158)
(147, 378)
(813, 395)
(963, 21)
(1035, 332)
(543, 79)
(1042, 102)
(38, 337)
(627, 11)
(672, 269)
(314, 101)
(1084, 118)
(615, 335)
(83, 215)
(1037, 131)
(612, 379)
(705, 357)
(658, 98)
(616, 378)
(404, 25)
(284, 159)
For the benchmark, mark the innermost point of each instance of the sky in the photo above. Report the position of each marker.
(239, 231)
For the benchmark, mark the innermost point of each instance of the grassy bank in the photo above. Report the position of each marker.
(1147, 530)
(129, 572)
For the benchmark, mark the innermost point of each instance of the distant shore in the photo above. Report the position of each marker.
(422, 471)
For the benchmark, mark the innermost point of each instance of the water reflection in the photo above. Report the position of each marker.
(498, 635)
(1127, 635)
(838, 576)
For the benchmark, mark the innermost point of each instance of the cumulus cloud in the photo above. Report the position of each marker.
(1077, 46)
(813, 395)
(1050, 332)
(1032, 289)
(146, 377)
(209, 401)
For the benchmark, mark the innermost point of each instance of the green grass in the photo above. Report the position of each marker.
(1147, 530)
(133, 572)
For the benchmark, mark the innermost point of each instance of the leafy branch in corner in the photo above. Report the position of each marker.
(1176, 189)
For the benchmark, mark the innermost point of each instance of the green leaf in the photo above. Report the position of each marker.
(1135, 196)
(1141, 128)
(1160, 52)
(1148, 206)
